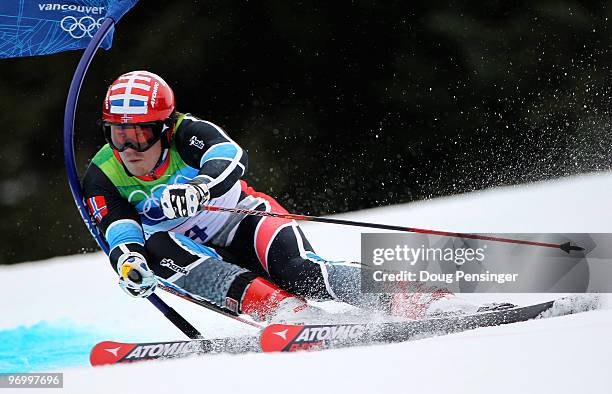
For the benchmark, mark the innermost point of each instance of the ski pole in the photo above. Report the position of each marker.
(175, 318)
(566, 247)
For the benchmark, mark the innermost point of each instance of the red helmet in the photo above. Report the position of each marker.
(138, 111)
(138, 97)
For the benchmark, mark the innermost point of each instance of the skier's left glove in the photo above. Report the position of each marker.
(135, 277)
(184, 200)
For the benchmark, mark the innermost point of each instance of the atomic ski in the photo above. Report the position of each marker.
(290, 338)
(109, 352)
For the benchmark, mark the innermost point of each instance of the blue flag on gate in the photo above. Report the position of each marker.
(43, 27)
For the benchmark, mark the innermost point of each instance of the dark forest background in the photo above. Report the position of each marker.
(341, 105)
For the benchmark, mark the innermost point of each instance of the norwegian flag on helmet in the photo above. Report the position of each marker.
(137, 97)
(97, 207)
(129, 95)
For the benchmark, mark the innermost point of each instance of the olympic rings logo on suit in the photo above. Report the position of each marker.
(150, 207)
(78, 28)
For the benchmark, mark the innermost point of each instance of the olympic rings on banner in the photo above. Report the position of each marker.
(78, 28)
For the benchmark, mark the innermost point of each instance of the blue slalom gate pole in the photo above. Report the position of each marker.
(73, 178)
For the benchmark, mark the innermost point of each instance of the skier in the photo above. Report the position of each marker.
(146, 189)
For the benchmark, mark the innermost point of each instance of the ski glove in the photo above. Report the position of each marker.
(135, 277)
(184, 200)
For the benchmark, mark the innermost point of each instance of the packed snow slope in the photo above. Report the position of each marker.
(54, 311)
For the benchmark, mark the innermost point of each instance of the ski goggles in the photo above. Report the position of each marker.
(138, 136)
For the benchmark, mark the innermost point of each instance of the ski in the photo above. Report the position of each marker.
(290, 338)
(109, 352)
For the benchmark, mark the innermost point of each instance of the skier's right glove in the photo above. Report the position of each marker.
(135, 277)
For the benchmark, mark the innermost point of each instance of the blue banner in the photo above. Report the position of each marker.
(32, 28)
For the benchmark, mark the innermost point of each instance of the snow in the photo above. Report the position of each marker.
(69, 303)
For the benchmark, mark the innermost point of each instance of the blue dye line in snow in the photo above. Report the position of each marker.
(47, 346)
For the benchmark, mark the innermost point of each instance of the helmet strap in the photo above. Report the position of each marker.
(171, 123)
